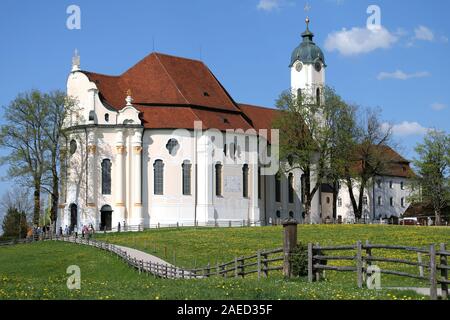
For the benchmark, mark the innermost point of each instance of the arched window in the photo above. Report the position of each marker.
(186, 178)
(403, 202)
(391, 200)
(106, 176)
(318, 96)
(73, 147)
(380, 201)
(278, 187)
(339, 202)
(106, 117)
(299, 96)
(291, 187)
(278, 214)
(245, 181)
(291, 214)
(218, 180)
(158, 177)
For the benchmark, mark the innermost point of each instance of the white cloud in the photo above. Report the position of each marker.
(438, 106)
(400, 75)
(359, 40)
(423, 33)
(406, 128)
(268, 5)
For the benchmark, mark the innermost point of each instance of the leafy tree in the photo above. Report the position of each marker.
(312, 138)
(433, 169)
(15, 224)
(34, 134)
(23, 135)
(367, 157)
(58, 108)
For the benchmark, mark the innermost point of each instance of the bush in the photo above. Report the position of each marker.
(299, 260)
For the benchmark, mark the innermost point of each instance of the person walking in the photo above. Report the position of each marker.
(75, 230)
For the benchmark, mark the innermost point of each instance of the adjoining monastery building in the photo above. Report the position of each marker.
(166, 143)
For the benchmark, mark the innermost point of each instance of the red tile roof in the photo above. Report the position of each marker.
(173, 92)
(161, 79)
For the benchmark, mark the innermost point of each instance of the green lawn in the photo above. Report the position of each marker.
(196, 247)
(38, 271)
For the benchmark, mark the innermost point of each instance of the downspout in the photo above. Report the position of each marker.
(196, 177)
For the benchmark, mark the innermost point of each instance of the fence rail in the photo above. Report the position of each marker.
(363, 258)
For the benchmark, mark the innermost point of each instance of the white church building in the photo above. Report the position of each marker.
(165, 143)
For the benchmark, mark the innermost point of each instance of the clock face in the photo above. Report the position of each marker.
(299, 67)
(318, 66)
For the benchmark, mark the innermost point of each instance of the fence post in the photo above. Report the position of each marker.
(310, 263)
(235, 267)
(419, 260)
(444, 272)
(369, 255)
(433, 277)
(208, 270)
(359, 264)
(266, 265)
(241, 267)
(289, 244)
(222, 269)
(259, 264)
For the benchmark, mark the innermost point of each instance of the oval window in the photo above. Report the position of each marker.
(73, 147)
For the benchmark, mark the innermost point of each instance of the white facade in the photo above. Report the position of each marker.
(386, 198)
(101, 133)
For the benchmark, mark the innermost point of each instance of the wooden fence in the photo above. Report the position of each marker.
(262, 263)
(437, 266)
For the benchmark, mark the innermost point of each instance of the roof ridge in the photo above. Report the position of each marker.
(171, 79)
(174, 56)
(255, 106)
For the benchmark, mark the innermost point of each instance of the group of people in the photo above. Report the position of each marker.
(87, 231)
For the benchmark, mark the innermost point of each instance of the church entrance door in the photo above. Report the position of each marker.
(73, 216)
(106, 218)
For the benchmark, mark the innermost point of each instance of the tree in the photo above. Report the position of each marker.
(58, 108)
(34, 134)
(19, 198)
(311, 137)
(433, 171)
(367, 157)
(15, 224)
(23, 135)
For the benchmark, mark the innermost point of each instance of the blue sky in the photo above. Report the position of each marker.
(402, 68)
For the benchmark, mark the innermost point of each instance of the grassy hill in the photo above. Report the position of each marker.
(38, 271)
(199, 246)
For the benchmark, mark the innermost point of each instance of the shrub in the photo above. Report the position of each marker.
(299, 260)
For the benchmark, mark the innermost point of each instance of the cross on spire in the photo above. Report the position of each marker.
(76, 61)
(307, 7)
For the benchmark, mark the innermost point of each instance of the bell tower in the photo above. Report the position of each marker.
(308, 68)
